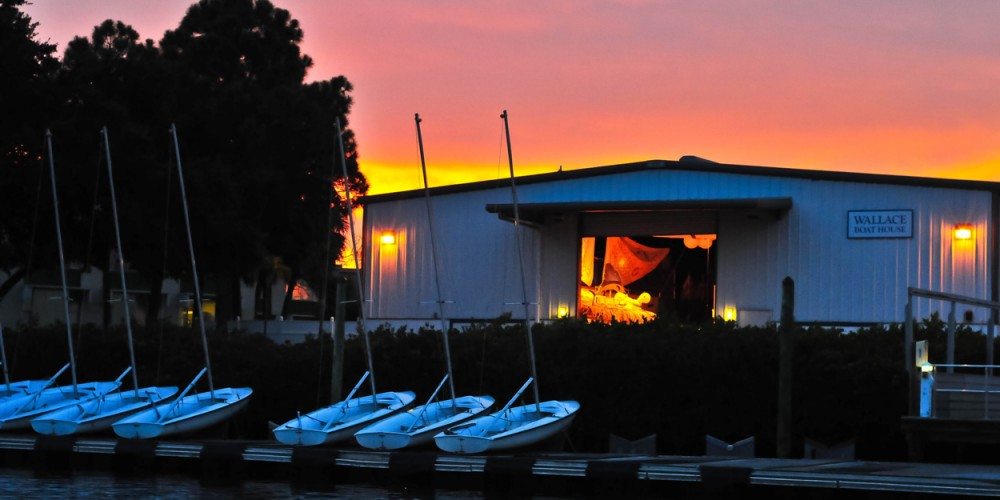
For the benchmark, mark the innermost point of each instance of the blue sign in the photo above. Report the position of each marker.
(872, 224)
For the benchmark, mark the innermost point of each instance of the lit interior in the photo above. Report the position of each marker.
(634, 279)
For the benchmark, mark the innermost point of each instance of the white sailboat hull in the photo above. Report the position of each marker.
(341, 420)
(99, 413)
(192, 413)
(517, 427)
(17, 413)
(395, 432)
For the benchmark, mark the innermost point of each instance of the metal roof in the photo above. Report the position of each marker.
(690, 163)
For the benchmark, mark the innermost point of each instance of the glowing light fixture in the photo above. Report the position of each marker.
(926, 368)
(962, 232)
(562, 312)
(729, 313)
(703, 241)
(387, 238)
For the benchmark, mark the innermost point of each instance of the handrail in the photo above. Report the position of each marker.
(963, 365)
(952, 327)
(968, 389)
(951, 297)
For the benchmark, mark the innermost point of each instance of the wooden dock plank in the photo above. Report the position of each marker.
(902, 477)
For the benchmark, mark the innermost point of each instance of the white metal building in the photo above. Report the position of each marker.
(852, 243)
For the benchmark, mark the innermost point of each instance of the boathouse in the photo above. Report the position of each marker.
(689, 239)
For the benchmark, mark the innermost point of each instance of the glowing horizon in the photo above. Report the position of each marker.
(875, 86)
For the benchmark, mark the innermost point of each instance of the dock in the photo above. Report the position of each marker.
(565, 473)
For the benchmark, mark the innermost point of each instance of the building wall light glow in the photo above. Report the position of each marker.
(562, 312)
(729, 313)
(387, 238)
(963, 232)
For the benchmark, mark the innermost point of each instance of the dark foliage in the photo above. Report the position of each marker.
(26, 68)
(678, 382)
(257, 143)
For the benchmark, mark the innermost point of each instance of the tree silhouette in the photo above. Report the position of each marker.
(26, 99)
(256, 141)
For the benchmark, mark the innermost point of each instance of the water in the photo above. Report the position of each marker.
(21, 483)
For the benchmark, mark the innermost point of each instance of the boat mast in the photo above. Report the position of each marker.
(437, 277)
(62, 258)
(357, 260)
(194, 265)
(127, 315)
(3, 359)
(520, 261)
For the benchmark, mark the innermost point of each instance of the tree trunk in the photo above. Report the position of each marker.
(224, 300)
(105, 301)
(9, 283)
(286, 305)
(258, 296)
(237, 297)
(155, 299)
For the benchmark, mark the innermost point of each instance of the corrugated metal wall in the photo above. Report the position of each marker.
(837, 279)
(480, 275)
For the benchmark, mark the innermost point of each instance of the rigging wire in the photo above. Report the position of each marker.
(90, 241)
(163, 272)
(499, 152)
(503, 283)
(331, 191)
(31, 244)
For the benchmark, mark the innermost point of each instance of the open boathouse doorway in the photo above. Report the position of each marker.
(635, 266)
(638, 278)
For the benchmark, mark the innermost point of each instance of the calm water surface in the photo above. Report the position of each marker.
(24, 484)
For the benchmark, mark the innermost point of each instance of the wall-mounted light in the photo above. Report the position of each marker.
(729, 313)
(962, 232)
(387, 238)
(562, 312)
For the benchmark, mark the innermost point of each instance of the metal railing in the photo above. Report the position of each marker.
(931, 408)
(949, 364)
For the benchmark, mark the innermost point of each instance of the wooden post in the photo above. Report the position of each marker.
(990, 336)
(337, 370)
(785, 350)
(911, 372)
(951, 338)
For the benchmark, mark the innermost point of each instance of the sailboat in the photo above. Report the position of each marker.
(512, 426)
(17, 412)
(419, 425)
(341, 420)
(99, 413)
(21, 387)
(200, 410)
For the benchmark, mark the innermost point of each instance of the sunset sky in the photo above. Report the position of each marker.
(902, 87)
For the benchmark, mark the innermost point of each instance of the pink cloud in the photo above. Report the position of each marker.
(858, 85)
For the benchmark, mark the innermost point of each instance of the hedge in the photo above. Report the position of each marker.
(677, 381)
